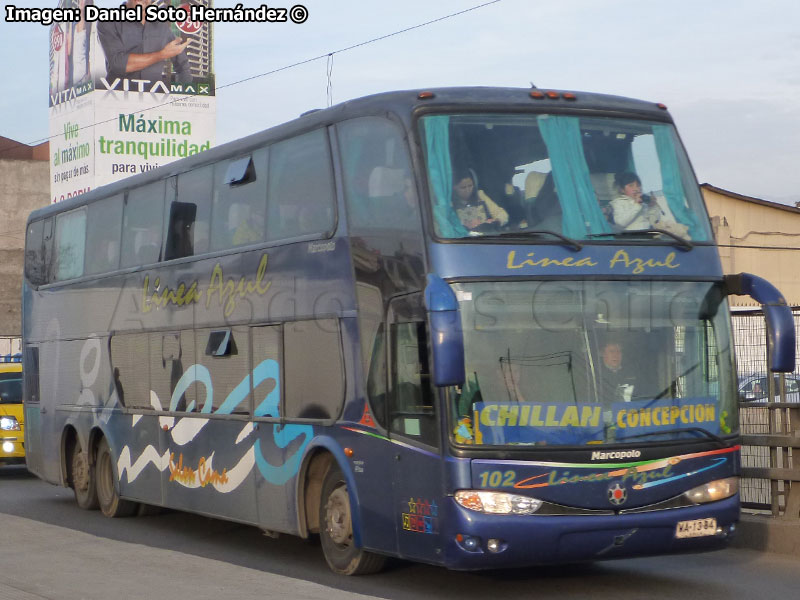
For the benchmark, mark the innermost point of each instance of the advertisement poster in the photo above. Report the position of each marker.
(127, 95)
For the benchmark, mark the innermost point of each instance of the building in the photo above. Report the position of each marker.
(756, 236)
(24, 186)
(760, 237)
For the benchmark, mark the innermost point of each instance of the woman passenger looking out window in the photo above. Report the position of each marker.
(474, 208)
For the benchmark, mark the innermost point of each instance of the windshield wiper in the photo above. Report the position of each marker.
(683, 243)
(705, 432)
(539, 232)
(667, 389)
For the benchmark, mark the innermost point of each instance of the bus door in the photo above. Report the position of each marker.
(209, 446)
(414, 426)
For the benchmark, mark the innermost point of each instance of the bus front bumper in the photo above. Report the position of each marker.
(481, 541)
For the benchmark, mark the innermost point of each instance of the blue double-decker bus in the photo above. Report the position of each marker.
(472, 327)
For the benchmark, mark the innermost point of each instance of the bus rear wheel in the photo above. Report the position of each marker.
(83, 479)
(336, 530)
(111, 505)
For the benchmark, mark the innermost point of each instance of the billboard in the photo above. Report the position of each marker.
(126, 95)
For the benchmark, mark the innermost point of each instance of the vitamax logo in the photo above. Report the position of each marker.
(597, 455)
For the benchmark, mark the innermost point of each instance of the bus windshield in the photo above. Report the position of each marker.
(562, 363)
(581, 177)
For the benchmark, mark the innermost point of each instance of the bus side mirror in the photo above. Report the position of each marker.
(447, 337)
(780, 323)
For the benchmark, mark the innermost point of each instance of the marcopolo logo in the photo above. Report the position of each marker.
(597, 455)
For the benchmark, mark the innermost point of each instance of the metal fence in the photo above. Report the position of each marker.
(770, 420)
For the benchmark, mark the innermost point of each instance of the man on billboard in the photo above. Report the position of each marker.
(141, 50)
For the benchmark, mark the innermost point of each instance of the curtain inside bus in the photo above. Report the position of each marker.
(581, 213)
(440, 172)
(671, 178)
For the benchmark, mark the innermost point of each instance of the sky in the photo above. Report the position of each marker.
(728, 70)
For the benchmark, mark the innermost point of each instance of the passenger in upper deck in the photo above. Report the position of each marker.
(633, 210)
(474, 208)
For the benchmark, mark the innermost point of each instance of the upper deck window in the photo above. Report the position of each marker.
(142, 225)
(378, 180)
(102, 235)
(70, 244)
(188, 213)
(300, 187)
(35, 265)
(240, 201)
(585, 178)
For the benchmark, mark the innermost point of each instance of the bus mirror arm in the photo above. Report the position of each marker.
(447, 337)
(780, 322)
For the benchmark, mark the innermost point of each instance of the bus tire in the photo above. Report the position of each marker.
(83, 478)
(336, 530)
(111, 505)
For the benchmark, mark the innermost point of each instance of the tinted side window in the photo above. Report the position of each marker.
(301, 193)
(102, 235)
(35, 269)
(142, 225)
(378, 181)
(314, 369)
(412, 409)
(189, 213)
(373, 347)
(240, 201)
(70, 244)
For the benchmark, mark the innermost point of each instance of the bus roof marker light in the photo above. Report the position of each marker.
(426, 95)
(661, 106)
(552, 95)
(569, 96)
(537, 95)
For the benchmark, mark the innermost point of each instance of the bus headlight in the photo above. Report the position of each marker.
(497, 503)
(9, 424)
(713, 490)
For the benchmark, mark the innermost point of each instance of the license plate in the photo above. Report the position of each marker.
(696, 528)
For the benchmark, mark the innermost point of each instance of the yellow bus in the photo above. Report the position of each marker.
(12, 421)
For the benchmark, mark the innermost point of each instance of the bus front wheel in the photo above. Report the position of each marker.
(111, 504)
(83, 478)
(336, 530)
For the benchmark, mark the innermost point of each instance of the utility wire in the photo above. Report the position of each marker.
(327, 55)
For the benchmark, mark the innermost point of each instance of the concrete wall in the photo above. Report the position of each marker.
(774, 229)
(24, 186)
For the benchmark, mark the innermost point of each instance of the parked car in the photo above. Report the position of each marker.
(12, 420)
(753, 388)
